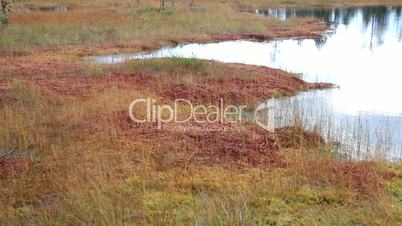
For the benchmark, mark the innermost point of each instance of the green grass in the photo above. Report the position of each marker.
(168, 66)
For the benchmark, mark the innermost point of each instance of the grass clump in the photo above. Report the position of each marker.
(167, 66)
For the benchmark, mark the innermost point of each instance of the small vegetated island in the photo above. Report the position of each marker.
(71, 153)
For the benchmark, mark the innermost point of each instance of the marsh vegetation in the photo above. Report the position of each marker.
(70, 155)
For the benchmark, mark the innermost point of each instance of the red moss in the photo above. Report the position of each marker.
(42, 67)
(10, 166)
(5, 53)
(82, 85)
(234, 85)
(220, 144)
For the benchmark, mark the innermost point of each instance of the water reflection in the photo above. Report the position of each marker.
(374, 19)
(361, 136)
(362, 56)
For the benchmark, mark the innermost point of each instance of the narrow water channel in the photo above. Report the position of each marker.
(362, 55)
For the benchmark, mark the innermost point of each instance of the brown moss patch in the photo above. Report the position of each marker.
(11, 166)
(10, 53)
(221, 144)
(38, 67)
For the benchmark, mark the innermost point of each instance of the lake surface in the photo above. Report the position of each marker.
(362, 55)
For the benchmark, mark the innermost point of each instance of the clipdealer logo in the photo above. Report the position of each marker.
(148, 111)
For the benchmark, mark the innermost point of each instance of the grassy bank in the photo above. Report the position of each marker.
(128, 27)
(70, 155)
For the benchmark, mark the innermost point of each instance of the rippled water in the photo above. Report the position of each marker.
(362, 55)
